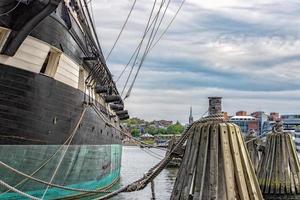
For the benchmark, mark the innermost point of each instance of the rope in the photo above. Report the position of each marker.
(11, 10)
(136, 49)
(123, 132)
(212, 117)
(49, 184)
(44, 164)
(148, 50)
(148, 151)
(148, 45)
(139, 48)
(278, 127)
(65, 151)
(154, 171)
(172, 20)
(137, 185)
(119, 35)
(18, 191)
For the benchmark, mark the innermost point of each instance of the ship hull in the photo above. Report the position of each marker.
(87, 167)
(37, 116)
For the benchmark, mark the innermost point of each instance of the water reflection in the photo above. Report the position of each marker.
(135, 162)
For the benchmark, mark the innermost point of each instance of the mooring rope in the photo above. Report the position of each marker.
(154, 171)
(137, 185)
(18, 191)
(123, 132)
(50, 184)
(66, 149)
(41, 166)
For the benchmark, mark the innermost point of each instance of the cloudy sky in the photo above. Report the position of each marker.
(245, 51)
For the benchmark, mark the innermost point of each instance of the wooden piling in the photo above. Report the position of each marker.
(216, 165)
(279, 169)
(253, 144)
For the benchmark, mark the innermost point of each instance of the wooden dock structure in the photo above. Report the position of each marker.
(216, 164)
(279, 169)
(253, 145)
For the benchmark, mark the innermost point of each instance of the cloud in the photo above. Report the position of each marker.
(246, 51)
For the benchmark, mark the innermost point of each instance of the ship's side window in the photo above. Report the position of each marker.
(3, 35)
(51, 63)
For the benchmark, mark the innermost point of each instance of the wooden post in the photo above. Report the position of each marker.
(216, 163)
(253, 145)
(279, 169)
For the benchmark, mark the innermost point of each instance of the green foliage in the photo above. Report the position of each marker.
(135, 132)
(175, 128)
(134, 125)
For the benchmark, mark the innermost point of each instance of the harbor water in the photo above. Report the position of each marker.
(135, 162)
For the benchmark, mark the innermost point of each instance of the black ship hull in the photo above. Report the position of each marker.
(50, 66)
(37, 114)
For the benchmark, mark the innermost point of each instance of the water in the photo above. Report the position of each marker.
(135, 162)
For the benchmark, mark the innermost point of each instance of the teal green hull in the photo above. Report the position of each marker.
(94, 167)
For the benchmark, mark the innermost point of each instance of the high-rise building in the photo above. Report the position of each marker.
(191, 119)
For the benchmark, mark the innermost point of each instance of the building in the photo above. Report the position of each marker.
(290, 121)
(191, 119)
(274, 116)
(246, 123)
(162, 123)
(297, 138)
(241, 113)
(262, 118)
(226, 117)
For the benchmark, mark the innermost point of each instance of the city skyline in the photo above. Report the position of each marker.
(243, 51)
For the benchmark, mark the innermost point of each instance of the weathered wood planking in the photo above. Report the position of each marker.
(279, 168)
(252, 144)
(216, 165)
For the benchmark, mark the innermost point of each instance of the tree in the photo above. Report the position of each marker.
(176, 128)
(151, 130)
(135, 132)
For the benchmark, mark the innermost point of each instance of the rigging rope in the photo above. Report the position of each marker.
(153, 172)
(43, 164)
(139, 47)
(11, 10)
(167, 28)
(146, 49)
(47, 183)
(150, 48)
(121, 131)
(120, 33)
(136, 49)
(17, 191)
(137, 185)
(66, 149)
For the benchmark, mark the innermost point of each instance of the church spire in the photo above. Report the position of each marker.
(191, 116)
